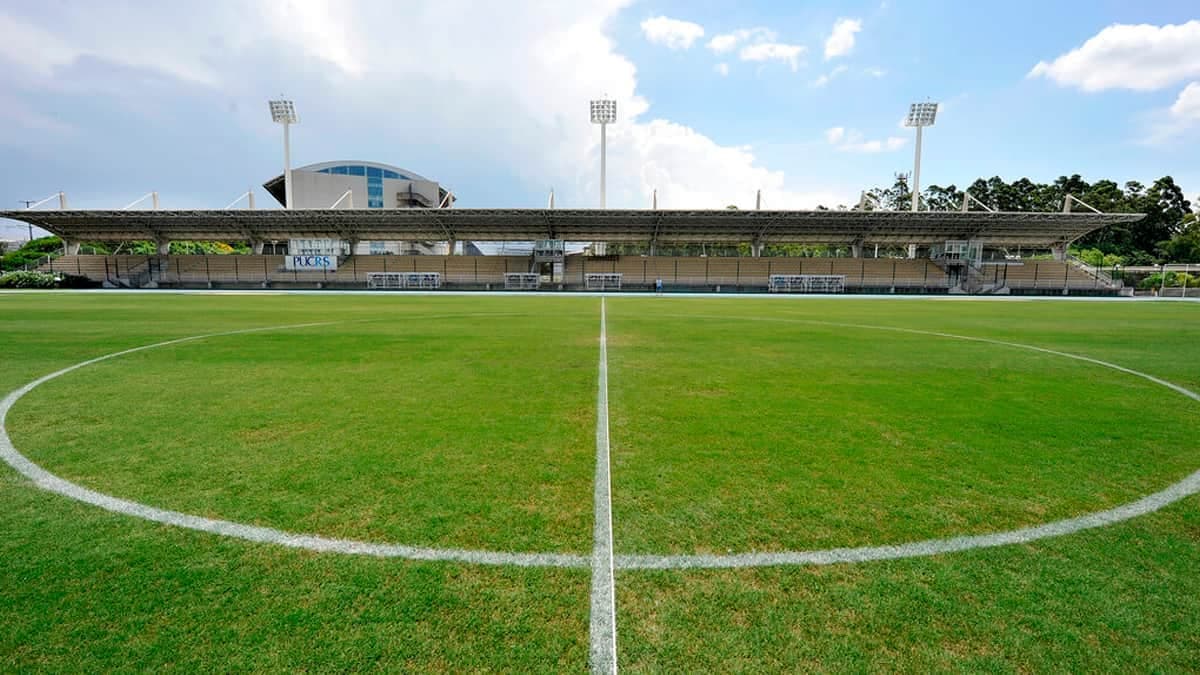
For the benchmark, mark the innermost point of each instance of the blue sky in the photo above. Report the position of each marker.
(717, 99)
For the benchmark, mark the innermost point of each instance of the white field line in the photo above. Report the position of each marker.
(44, 479)
(603, 629)
(48, 481)
(1149, 504)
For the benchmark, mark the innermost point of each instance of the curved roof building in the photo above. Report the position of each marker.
(371, 185)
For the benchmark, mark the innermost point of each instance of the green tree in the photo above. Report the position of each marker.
(32, 253)
(1185, 246)
(1164, 234)
(939, 198)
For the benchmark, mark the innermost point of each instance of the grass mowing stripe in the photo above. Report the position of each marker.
(603, 629)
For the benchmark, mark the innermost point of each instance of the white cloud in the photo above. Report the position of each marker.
(536, 77)
(672, 33)
(42, 51)
(318, 26)
(758, 45)
(829, 77)
(722, 69)
(849, 140)
(691, 170)
(1165, 126)
(876, 72)
(773, 51)
(1187, 106)
(723, 43)
(727, 41)
(29, 46)
(841, 39)
(1123, 56)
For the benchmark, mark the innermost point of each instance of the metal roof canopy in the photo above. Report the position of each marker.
(611, 225)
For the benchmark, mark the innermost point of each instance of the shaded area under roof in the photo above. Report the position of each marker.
(611, 225)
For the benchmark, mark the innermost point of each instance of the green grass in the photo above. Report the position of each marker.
(735, 433)
(441, 431)
(468, 421)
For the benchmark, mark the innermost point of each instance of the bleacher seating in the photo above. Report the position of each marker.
(691, 272)
(861, 274)
(1040, 275)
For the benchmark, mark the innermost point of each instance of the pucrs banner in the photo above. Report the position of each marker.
(311, 262)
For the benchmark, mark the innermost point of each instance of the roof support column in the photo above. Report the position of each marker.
(756, 248)
(451, 245)
(256, 246)
(70, 246)
(856, 249)
(912, 251)
(163, 246)
(1059, 251)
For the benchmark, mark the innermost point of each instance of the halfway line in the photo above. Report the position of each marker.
(603, 631)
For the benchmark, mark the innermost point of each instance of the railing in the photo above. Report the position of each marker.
(1094, 270)
(44, 260)
(807, 283)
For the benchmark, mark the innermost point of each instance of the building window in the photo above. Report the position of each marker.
(375, 177)
(378, 248)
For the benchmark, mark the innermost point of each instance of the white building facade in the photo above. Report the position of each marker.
(356, 184)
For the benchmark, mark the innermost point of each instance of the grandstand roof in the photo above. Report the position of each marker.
(612, 225)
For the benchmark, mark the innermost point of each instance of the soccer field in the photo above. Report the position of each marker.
(323, 481)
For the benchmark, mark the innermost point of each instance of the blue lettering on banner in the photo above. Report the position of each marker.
(312, 262)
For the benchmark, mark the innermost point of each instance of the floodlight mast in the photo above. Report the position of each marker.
(920, 115)
(604, 113)
(283, 112)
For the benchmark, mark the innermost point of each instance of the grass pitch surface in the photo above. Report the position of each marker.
(737, 425)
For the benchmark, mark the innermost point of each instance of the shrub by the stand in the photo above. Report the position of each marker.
(22, 279)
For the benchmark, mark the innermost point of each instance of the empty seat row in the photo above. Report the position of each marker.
(869, 273)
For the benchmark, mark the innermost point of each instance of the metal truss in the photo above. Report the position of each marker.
(610, 225)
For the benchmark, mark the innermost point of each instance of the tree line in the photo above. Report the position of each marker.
(1169, 233)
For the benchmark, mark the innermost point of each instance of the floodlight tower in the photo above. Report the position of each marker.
(284, 112)
(604, 113)
(920, 115)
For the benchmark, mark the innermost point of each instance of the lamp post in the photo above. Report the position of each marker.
(920, 115)
(28, 203)
(604, 113)
(284, 112)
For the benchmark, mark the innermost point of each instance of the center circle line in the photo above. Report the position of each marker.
(1186, 487)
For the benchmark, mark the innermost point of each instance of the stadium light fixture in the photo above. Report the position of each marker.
(284, 112)
(920, 115)
(604, 113)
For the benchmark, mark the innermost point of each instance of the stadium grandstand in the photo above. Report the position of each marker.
(948, 251)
